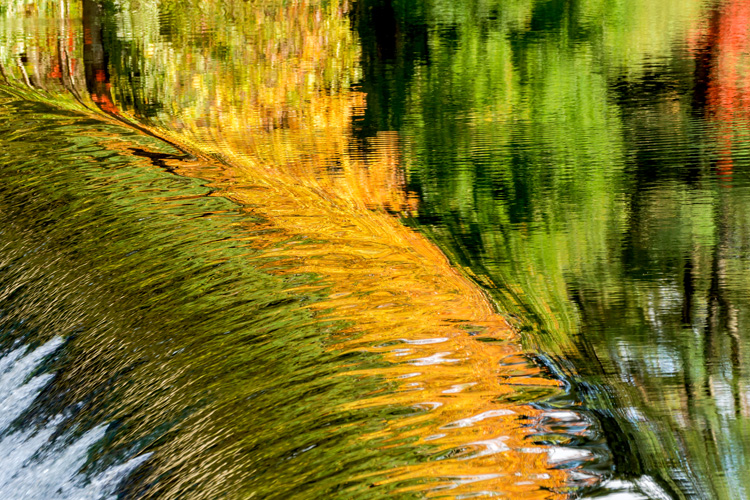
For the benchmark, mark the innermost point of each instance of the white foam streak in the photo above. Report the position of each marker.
(31, 465)
(470, 421)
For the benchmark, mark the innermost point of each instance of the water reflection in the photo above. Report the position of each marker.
(586, 164)
(298, 341)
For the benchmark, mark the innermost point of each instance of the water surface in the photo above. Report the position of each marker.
(380, 248)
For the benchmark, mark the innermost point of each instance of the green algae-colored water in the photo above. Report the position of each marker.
(221, 270)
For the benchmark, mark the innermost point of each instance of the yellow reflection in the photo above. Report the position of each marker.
(274, 135)
(402, 299)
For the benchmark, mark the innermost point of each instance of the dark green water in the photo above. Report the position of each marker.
(584, 163)
(591, 166)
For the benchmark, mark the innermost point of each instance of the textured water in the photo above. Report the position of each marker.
(254, 327)
(44, 461)
(373, 249)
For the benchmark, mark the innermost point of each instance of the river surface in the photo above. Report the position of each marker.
(374, 249)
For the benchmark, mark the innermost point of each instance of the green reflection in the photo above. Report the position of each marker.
(574, 156)
(585, 161)
(234, 396)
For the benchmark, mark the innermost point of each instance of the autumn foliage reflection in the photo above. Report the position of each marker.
(260, 97)
(721, 46)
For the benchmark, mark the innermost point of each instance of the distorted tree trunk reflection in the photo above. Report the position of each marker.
(95, 58)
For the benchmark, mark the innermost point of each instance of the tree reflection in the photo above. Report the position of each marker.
(582, 161)
(260, 97)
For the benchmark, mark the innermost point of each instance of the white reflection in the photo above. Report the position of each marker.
(469, 421)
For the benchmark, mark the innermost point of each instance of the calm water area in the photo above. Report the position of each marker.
(370, 249)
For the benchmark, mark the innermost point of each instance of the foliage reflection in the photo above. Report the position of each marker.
(257, 100)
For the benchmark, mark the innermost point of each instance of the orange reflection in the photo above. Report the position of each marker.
(326, 203)
(401, 298)
(722, 60)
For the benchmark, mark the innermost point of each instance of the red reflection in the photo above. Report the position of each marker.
(722, 85)
(94, 56)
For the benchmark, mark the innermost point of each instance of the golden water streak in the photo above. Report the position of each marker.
(403, 299)
(395, 290)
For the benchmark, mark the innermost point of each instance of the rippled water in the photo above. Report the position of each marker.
(225, 224)
(44, 462)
